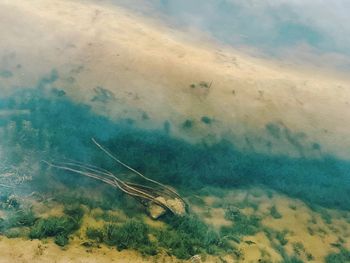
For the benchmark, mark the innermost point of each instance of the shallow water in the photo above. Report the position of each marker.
(258, 156)
(44, 124)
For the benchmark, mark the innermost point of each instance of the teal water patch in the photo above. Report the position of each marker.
(55, 127)
(271, 27)
(293, 33)
(5, 74)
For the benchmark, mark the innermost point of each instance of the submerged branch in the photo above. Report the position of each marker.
(159, 195)
(136, 172)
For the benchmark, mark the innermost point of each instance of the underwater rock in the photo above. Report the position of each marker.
(177, 206)
(156, 211)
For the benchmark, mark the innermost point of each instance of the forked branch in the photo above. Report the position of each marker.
(159, 195)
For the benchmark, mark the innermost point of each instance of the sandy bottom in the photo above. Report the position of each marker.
(18, 250)
(309, 230)
(151, 69)
(154, 70)
(301, 224)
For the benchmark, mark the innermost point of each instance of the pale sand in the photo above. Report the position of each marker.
(296, 217)
(22, 251)
(18, 250)
(150, 67)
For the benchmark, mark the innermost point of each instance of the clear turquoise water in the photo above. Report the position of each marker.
(272, 27)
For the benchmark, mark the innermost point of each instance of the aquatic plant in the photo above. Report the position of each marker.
(14, 233)
(342, 256)
(187, 124)
(245, 203)
(292, 206)
(188, 236)
(298, 248)
(95, 234)
(15, 219)
(107, 200)
(309, 256)
(102, 95)
(292, 259)
(206, 120)
(133, 234)
(58, 227)
(106, 216)
(278, 242)
(74, 211)
(325, 216)
(281, 237)
(21, 218)
(243, 225)
(183, 237)
(274, 213)
(274, 235)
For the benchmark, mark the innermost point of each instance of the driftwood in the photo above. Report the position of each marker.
(159, 198)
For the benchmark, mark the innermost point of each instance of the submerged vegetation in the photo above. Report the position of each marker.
(183, 237)
(38, 111)
(188, 236)
(342, 256)
(274, 213)
(206, 120)
(30, 135)
(81, 217)
(133, 234)
(243, 225)
(58, 227)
